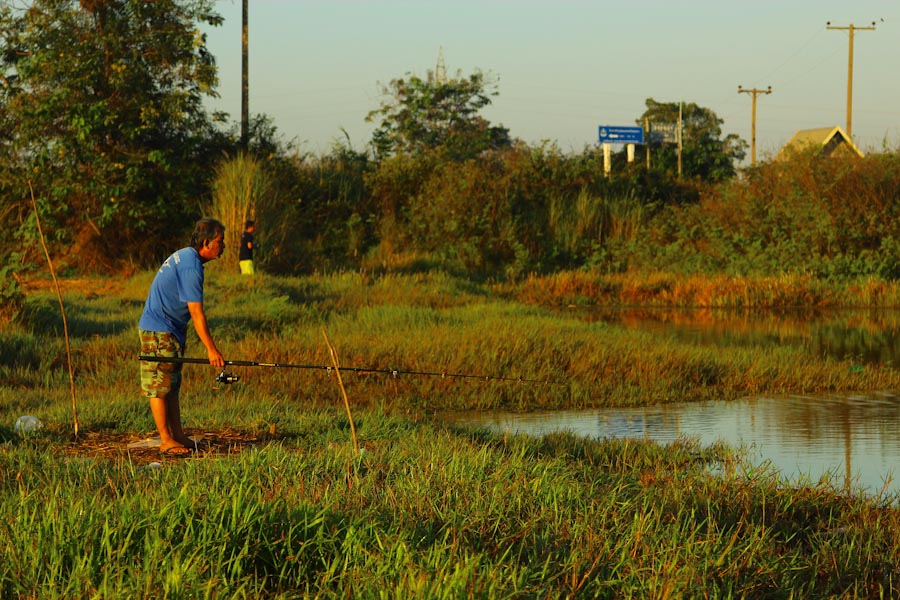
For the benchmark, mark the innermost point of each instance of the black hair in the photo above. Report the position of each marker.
(249, 224)
(206, 230)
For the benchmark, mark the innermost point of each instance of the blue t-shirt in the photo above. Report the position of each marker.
(178, 281)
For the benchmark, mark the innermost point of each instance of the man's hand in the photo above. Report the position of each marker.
(215, 357)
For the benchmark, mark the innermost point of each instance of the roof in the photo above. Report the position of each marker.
(832, 140)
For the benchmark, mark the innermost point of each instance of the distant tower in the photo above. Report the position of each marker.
(440, 70)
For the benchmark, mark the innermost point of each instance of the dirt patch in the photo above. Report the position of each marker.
(114, 447)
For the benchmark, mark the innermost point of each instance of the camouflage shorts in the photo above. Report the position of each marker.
(160, 379)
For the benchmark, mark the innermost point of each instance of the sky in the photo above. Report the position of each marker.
(566, 67)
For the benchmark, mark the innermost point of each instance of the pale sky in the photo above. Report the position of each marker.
(566, 67)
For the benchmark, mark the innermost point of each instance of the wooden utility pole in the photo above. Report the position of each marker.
(680, 134)
(647, 133)
(754, 92)
(851, 28)
(245, 80)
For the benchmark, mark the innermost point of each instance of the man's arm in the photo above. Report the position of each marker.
(199, 318)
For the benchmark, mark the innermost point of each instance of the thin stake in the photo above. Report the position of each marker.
(62, 310)
(337, 368)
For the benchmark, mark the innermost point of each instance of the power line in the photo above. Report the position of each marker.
(815, 34)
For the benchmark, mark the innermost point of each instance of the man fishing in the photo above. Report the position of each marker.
(176, 297)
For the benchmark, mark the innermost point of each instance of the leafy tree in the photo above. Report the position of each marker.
(331, 223)
(101, 107)
(419, 115)
(705, 154)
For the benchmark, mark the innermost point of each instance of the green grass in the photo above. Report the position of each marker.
(425, 322)
(425, 510)
(430, 512)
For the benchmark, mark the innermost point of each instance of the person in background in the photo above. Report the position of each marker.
(245, 255)
(176, 297)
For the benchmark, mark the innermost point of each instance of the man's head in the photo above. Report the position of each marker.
(250, 226)
(208, 238)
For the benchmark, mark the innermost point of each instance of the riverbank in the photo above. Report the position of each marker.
(428, 322)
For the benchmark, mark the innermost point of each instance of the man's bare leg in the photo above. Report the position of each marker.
(173, 413)
(167, 417)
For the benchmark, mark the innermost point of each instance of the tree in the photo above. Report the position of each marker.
(419, 115)
(705, 154)
(101, 102)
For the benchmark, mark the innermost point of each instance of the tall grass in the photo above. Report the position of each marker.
(583, 223)
(596, 287)
(243, 190)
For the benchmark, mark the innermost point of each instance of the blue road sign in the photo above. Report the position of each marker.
(621, 135)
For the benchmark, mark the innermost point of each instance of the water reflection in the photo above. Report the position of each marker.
(853, 439)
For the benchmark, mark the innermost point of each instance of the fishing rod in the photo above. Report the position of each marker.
(225, 377)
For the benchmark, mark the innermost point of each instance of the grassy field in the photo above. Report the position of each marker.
(281, 506)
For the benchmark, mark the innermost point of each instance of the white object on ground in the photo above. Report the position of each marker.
(28, 424)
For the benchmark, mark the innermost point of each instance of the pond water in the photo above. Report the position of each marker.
(854, 439)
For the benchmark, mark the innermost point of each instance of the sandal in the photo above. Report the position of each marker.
(177, 452)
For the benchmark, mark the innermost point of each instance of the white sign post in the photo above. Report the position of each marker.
(607, 158)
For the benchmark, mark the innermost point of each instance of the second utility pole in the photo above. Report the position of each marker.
(245, 78)
(851, 28)
(754, 92)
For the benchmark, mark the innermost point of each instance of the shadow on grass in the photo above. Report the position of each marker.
(83, 321)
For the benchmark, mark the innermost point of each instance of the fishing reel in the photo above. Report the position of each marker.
(227, 378)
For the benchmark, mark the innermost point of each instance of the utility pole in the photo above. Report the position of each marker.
(754, 92)
(851, 28)
(647, 133)
(245, 80)
(680, 132)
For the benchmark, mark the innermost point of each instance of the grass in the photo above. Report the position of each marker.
(424, 510)
(416, 323)
(590, 288)
(429, 512)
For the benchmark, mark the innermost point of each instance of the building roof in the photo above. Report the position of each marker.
(832, 140)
